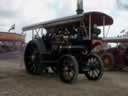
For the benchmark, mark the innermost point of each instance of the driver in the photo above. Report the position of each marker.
(95, 31)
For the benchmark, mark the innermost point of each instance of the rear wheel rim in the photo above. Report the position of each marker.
(68, 69)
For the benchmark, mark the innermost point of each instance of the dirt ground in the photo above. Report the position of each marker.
(14, 81)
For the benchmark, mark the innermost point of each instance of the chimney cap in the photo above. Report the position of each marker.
(79, 7)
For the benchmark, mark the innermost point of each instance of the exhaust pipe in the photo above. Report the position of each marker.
(79, 7)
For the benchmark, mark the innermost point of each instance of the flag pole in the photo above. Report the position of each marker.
(11, 28)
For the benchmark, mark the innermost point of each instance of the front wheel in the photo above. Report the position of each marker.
(95, 67)
(68, 69)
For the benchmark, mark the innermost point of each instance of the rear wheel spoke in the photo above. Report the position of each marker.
(69, 69)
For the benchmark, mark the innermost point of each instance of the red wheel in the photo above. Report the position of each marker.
(108, 60)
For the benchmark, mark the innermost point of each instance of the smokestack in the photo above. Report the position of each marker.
(79, 7)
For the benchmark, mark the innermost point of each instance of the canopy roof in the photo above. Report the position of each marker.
(96, 18)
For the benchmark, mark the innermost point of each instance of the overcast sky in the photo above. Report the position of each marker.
(25, 12)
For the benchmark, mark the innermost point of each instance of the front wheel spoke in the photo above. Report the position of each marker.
(98, 71)
(95, 68)
(94, 74)
(90, 73)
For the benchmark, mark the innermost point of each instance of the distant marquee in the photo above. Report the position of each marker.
(5, 36)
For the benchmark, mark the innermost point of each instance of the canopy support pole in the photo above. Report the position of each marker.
(104, 26)
(90, 27)
(32, 34)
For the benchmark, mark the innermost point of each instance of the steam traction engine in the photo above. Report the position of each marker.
(67, 47)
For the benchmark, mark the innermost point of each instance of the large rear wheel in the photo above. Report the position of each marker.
(94, 67)
(33, 60)
(68, 69)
